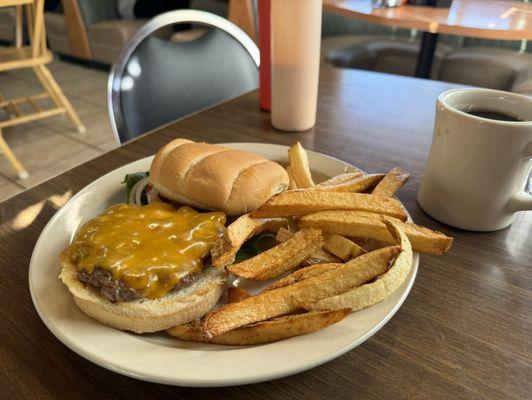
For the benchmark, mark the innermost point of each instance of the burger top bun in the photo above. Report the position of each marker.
(214, 177)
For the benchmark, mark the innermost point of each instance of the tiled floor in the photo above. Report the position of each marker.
(51, 146)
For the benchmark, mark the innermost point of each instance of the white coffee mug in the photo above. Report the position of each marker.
(478, 168)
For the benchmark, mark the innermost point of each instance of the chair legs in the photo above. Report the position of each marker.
(61, 102)
(4, 148)
(55, 92)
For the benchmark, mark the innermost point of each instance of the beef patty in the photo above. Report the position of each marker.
(118, 290)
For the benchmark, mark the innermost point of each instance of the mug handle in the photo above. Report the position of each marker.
(522, 201)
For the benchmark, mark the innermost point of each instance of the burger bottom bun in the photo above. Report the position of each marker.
(146, 315)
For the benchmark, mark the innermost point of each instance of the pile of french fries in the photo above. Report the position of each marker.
(322, 267)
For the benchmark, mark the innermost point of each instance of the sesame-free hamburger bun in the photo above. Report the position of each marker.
(213, 177)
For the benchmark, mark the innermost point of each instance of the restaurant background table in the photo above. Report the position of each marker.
(485, 19)
(463, 332)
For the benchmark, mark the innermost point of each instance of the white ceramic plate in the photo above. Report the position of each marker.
(158, 358)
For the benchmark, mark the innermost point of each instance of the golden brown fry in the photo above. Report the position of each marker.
(302, 202)
(283, 234)
(342, 247)
(224, 250)
(391, 183)
(360, 241)
(347, 176)
(281, 258)
(372, 226)
(303, 273)
(338, 248)
(299, 166)
(235, 294)
(273, 303)
(388, 186)
(372, 293)
(291, 183)
(354, 185)
(318, 257)
(264, 332)
(336, 245)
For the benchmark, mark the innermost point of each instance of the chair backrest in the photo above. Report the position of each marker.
(98, 10)
(157, 81)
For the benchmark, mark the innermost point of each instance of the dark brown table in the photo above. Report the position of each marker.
(463, 332)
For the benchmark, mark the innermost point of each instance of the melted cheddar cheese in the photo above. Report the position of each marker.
(151, 248)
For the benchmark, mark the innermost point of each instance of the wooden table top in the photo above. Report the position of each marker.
(463, 332)
(487, 19)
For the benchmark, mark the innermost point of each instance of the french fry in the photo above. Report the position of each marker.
(283, 234)
(264, 332)
(342, 247)
(334, 244)
(360, 241)
(388, 186)
(302, 202)
(372, 226)
(299, 166)
(235, 294)
(346, 176)
(291, 183)
(281, 258)
(274, 303)
(303, 273)
(318, 257)
(372, 293)
(354, 185)
(224, 250)
(391, 183)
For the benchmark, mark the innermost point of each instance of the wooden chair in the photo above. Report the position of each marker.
(241, 14)
(35, 56)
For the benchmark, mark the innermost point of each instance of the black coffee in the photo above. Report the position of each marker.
(493, 115)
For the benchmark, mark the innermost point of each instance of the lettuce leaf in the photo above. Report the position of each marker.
(256, 245)
(131, 179)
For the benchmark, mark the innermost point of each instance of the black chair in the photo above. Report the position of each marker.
(158, 80)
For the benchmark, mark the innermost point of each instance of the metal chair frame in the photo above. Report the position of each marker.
(161, 21)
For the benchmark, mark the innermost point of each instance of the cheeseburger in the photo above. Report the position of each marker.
(146, 268)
